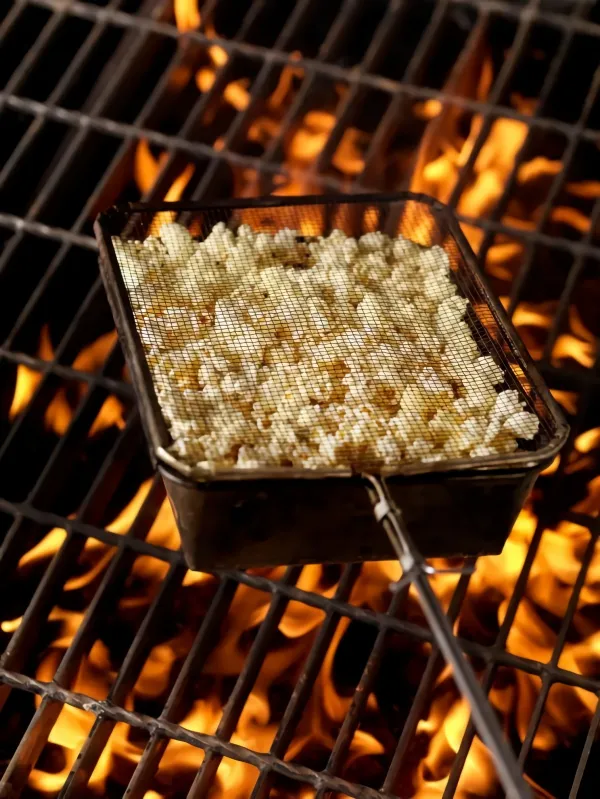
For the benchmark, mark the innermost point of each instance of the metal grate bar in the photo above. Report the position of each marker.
(243, 685)
(333, 71)
(382, 40)
(193, 123)
(543, 97)
(85, 214)
(92, 202)
(139, 650)
(113, 128)
(165, 141)
(203, 741)
(55, 95)
(423, 693)
(86, 412)
(499, 87)
(506, 9)
(336, 36)
(361, 694)
(16, 776)
(12, 17)
(22, 640)
(558, 647)
(306, 680)
(492, 665)
(108, 593)
(23, 510)
(68, 373)
(99, 105)
(21, 72)
(16, 223)
(400, 101)
(573, 277)
(413, 564)
(373, 618)
(60, 456)
(587, 748)
(192, 666)
(31, 745)
(557, 184)
(257, 95)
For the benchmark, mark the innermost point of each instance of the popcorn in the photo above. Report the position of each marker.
(431, 383)
(419, 449)
(482, 451)
(522, 425)
(271, 350)
(438, 287)
(507, 404)
(405, 251)
(178, 241)
(389, 449)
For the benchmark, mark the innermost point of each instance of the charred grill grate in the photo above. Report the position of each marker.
(70, 138)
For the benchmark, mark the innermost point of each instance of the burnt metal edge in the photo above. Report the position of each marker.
(153, 421)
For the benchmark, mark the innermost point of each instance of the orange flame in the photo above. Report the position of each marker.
(187, 16)
(28, 379)
(27, 382)
(446, 147)
(146, 170)
(59, 412)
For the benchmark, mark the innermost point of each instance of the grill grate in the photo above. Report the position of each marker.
(39, 228)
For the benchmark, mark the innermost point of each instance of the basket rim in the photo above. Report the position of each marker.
(270, 201)
(151, 415)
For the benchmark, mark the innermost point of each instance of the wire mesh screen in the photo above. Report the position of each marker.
(347, 335)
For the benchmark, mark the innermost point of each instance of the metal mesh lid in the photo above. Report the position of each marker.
(303, 336)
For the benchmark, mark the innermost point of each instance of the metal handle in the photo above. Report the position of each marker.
(416, 569)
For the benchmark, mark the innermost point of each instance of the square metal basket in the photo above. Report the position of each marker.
(283, 514)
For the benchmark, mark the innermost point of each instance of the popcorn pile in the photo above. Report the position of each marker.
(334, 352)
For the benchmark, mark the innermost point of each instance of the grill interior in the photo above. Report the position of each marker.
(120, 669)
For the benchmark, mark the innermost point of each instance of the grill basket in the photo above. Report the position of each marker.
(279, 513)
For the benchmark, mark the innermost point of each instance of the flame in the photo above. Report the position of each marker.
(551, 581)
(446, 725)
(147, 168)
(428, 109)
(28, 379)
(59, 412)
(444, 153)
(568, 400)
(27, 382)
(446, 147)
(580, 345)
(187, 16)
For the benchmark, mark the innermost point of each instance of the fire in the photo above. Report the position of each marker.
(28, 379)
(446, 147)
(27, 382)
(146, 171)
(446, 725)
(580, 345)
(60, 410)
(187, 16)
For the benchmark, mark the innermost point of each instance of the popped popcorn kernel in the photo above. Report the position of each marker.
(318, 352)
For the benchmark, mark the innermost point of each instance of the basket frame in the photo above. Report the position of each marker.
(112, 223)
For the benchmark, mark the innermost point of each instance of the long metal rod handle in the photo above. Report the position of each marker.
(484, 717)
